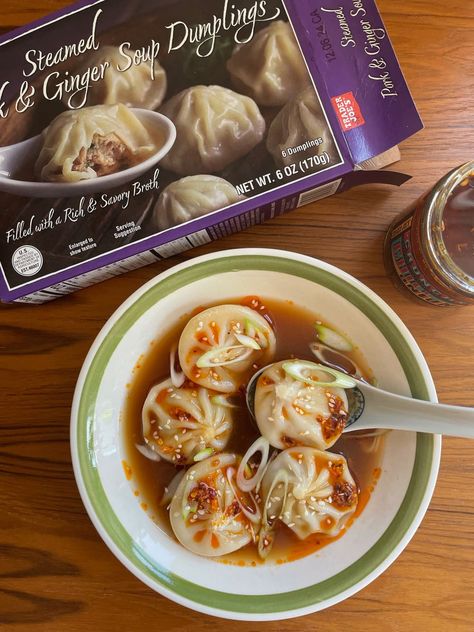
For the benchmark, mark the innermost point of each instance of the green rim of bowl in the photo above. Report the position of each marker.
(254, 604)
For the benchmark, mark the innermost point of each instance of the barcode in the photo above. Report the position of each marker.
(89, 278)
(319, 193)
(114, 269)
(180, 245)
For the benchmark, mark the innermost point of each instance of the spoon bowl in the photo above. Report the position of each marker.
(374, 408)
(19, 158)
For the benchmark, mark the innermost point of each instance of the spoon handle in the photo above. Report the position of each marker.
(386, 410)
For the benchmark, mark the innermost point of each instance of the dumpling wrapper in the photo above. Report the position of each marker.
(204, 513)
(291, 413)
(193, 197)
(134, 87)
(180, 423)
(321, 494)
(216, 330)
(270, 68)
(110, 134)
(215, 127)
(300, 121)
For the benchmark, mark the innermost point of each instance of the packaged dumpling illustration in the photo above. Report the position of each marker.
(131, 130)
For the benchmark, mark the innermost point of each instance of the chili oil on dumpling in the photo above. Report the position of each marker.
(270, 68)
(139, 86)
(219, 346)
(93, 142)
(193, 197)
(301, 120)
(215, 127)
(290, 412)
(310, 491)
(205, 514)
(182, 423)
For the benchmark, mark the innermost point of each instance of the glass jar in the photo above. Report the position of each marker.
(429, 251)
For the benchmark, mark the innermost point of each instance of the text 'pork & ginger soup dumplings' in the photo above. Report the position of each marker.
(185, 424)
(192, 197)
(206, 514)
(308, 490)
(141, 85)
(215, 126)
(300, 121)
(290, 411)
(269, 68)
(93, 142)
(221, 346)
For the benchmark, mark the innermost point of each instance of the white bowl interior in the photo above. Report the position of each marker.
(155, 546)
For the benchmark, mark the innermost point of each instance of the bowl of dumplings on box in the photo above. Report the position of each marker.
(260, 508)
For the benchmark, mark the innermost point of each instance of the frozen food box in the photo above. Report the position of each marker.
(131, 130)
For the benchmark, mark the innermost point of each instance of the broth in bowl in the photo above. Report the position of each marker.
(241, 490)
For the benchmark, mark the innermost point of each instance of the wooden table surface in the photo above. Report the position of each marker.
(55, 572)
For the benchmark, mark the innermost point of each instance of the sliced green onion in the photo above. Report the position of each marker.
(170, 490)
(335, 359)
(266, 538)
(188, 510)
(247, 484)
(254, 331)
(177, 376)
(248, 342)
(223, 356)
(204, 454)
(281, 477)
(333, 338)
(252, 514)
(147, 451)
(222, 400)
(296, 369)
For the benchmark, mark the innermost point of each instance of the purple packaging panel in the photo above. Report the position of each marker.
(132, 130)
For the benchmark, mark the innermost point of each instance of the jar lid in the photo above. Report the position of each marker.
(449, 228)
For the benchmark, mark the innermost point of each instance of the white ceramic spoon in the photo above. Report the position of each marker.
(15, 159)
(371, 408)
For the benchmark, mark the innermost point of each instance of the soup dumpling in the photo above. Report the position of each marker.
(308, 490)
(92, 142)
(193, 197)
(270, 68)
(205, 514)
(220, 345)
(215, 126)
(291, 412)
(134, 87)
(301, 120)
(182, 423)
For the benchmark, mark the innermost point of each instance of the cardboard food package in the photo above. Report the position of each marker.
(132, 130)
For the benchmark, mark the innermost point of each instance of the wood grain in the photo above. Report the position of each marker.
(56, 574)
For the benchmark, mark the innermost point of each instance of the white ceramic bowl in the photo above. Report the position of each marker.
(378, 536)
